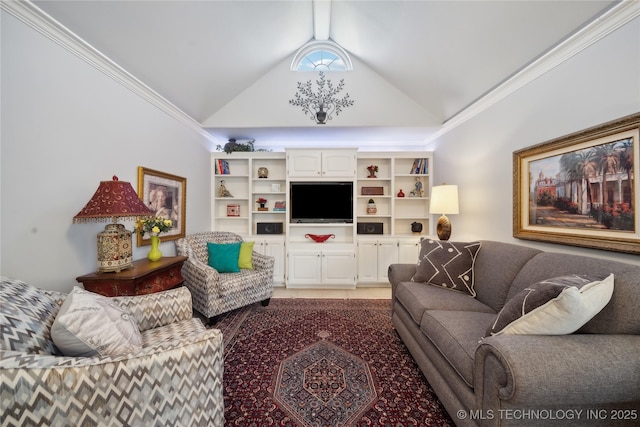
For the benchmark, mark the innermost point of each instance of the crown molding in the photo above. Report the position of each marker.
(617, 16)
(45, 24)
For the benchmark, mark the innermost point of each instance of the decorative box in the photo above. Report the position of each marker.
(372, 191)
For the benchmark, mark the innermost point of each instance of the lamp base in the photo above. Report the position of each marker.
(115, 249)
(443, 228)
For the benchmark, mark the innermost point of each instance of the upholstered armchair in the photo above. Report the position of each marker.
(175, 379)
(215, 293)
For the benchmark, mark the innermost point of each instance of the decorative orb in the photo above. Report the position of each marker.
(263, 172)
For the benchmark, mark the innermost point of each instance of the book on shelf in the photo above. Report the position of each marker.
(222, 167)
(279, 206)
(420, 166)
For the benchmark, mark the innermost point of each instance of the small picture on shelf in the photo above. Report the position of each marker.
(275, 188)
(233, 210)
(420, 166)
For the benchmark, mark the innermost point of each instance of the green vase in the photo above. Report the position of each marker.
(154, 254)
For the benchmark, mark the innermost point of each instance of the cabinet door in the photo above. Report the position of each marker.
(367, 261)
(304, 268)
(274, 248)
(387, 254)
(304, 164)
(338, 163)
(408, 251)
(338, 268)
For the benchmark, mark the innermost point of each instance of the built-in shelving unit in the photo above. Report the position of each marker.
(355, 254)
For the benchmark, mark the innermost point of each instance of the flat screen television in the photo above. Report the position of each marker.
(321, 202)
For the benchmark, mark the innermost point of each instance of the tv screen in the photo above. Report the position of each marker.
(321, 202)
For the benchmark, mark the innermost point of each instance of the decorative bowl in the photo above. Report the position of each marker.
(320, 237)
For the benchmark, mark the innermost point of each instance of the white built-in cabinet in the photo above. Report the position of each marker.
(314, 163)
(275, 247)
(350, 258)
(315, 267)
(376, 254)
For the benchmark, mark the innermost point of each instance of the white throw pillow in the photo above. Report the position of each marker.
(89, 324)
(557, 306)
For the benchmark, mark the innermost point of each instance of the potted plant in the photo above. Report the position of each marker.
(372, 171)
(154, 226)
(261, 201)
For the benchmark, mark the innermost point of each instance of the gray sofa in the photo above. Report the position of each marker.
(588, 378)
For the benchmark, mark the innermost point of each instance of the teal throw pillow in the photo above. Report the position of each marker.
(224, 256)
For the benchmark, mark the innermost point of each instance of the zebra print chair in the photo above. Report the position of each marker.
(215, 293)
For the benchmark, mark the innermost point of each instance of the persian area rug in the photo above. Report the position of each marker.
(322, 363)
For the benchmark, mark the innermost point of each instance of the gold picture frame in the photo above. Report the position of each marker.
(557, 188)
(166, 195)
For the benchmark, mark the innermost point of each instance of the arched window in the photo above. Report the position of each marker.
(321, 56)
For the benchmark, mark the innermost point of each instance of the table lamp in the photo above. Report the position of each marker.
(444, 200)
(112, 200)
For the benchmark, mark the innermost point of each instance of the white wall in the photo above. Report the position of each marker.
(66, 127)
(599, 84)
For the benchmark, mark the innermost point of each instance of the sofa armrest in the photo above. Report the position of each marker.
(398, 273)
(196, 274)
(158, 309)
(556, 371)
(160, 385)
(263, 262)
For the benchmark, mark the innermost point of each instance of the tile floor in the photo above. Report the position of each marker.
(358, 293)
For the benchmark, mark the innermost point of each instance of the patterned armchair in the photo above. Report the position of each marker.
(215, 293)
(176, 379)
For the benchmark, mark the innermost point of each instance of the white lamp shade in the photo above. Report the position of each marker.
(444, 199)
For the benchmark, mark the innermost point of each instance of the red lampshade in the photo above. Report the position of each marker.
(112, 200)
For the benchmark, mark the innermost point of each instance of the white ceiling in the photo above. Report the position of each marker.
(206, 56)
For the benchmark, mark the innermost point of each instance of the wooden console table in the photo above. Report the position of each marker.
(145, 277)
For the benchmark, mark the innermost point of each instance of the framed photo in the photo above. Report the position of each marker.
(166, 195)
(581, 189)
(233, 210)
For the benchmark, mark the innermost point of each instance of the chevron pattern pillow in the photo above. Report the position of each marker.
(28, 315)
(448, 265)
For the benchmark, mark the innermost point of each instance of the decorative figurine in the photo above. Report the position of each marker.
(400, 193)
(222, 191)
(417, 191)
(263, 172)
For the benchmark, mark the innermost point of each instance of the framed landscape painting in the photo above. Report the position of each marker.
(166, 195)
(581, 189)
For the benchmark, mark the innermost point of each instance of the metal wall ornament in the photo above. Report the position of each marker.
(322, 104)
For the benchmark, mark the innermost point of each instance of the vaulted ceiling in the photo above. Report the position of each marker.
(417, 64)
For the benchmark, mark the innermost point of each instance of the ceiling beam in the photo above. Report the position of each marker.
(321, 19)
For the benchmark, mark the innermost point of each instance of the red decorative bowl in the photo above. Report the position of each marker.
(320, 237)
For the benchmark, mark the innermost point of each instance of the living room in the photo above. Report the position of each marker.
(73, 116)
(67, 126)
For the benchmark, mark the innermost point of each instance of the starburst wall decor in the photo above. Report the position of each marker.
(322, 104)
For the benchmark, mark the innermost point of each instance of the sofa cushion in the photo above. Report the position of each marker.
(245, 259)
(456, 334)
(447, 264)
(89, 324)
(496, 266)
(224, 256)
(620, 316)
(418, 297)
(556, 306)
(26, 316)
